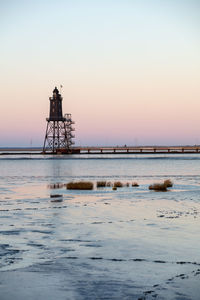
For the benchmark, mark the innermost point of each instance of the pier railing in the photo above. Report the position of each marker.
(138, 150)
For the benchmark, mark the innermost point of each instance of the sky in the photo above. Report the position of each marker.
(130, 70)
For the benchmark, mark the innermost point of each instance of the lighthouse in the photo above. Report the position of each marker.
(59, 128)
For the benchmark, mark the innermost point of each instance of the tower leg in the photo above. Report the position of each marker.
(45, 139)
(65, 133)
(58, 136)
(53, 136)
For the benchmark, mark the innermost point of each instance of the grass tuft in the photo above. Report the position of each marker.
(118, 184)
(135, 184)
(101, 183)
(158, 187)
(161, 186)
(168, 183)
(80, 185)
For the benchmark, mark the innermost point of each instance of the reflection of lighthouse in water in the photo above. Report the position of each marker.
(59, 129)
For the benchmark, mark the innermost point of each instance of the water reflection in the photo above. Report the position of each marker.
(53, 186)
(131, 235)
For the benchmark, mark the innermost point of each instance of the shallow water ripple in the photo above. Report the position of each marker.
(102, 244)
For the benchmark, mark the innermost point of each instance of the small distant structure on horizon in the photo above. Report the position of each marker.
(59, 129)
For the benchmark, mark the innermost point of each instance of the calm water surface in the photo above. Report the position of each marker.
(102, 244)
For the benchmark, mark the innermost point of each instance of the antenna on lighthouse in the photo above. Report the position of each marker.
(61, 88)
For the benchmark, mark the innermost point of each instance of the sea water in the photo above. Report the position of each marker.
(132, 243)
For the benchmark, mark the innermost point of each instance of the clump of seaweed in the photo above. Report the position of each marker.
(158, 187)
(118, 184)
(168, 183)
(101, 184)
(135, 184)
(80, 185)
(161, 186)
(114, 188)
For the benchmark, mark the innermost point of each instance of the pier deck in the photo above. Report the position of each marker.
(108, 150)
(138, 150)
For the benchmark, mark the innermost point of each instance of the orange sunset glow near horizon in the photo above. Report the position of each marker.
(130, 70)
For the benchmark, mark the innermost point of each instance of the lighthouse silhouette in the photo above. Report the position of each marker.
(59, 129)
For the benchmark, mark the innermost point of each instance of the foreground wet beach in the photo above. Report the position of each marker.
(131, 243)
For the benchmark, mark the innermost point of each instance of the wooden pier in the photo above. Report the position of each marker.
(107, 150)
(134, 150)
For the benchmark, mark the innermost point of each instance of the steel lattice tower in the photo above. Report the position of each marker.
(59, 129)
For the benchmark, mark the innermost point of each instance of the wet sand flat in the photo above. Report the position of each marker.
(131, 243)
